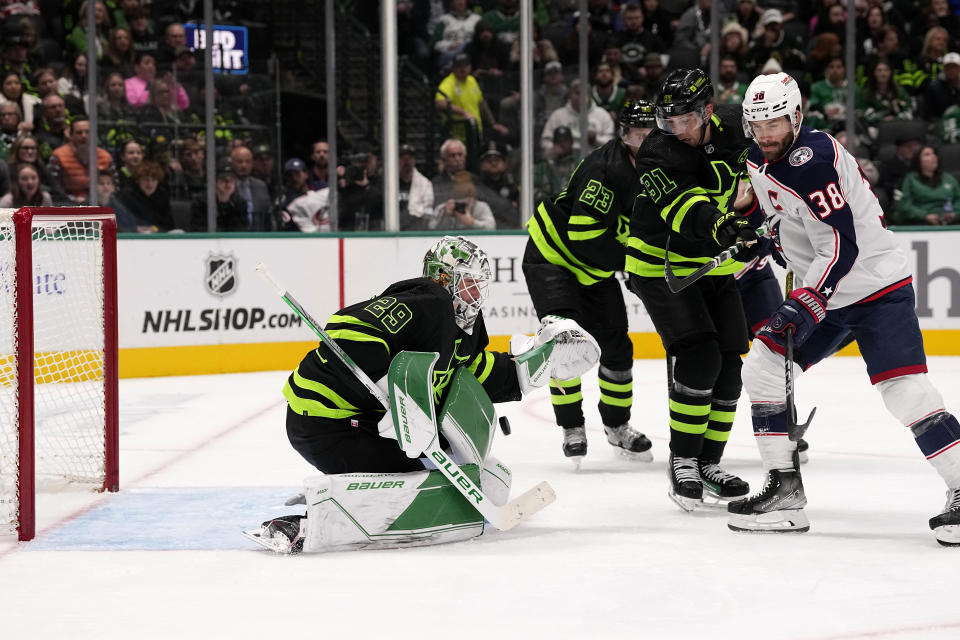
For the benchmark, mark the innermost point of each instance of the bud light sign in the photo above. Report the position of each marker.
(230, 53)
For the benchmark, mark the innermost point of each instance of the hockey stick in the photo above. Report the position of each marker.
(503, 517)
(679, 284)
(795, 431)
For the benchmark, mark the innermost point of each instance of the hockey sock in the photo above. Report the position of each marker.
(937, 437)
(567, 402)
(689, 414)
(771, 431)
(616, 396)
(719, 425)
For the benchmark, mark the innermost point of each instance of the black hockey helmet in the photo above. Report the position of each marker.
(637, 114)
(637, 118)
(683, 91)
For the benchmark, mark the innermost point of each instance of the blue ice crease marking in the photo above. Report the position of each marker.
(161, 519)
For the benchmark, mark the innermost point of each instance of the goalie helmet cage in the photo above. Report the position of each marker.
(58, 356)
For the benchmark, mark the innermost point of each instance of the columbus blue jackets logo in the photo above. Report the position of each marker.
(220, 274)
(800, 156)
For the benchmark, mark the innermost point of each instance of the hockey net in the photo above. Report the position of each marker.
(58, 356)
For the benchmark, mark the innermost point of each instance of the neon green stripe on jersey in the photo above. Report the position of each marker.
(585, 275)
(725, 417)
(321, 389)
(351, 320)
(682, 212)
(586, 235)
(312, 407)
(583, 220)
(486, 359)
(356, 336)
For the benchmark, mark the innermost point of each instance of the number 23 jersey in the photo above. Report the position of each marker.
(826, 220)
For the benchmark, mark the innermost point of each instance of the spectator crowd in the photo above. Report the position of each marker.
(151, 153)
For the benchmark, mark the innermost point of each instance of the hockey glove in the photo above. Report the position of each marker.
(800, 313)
(727, 228)
(561, 349)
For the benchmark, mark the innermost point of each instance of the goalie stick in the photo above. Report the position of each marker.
(679, 284)
(503, 517)
(795, 431)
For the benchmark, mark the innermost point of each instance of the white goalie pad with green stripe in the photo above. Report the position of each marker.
(387, 510)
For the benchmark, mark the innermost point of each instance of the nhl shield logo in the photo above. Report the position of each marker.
(220, 274)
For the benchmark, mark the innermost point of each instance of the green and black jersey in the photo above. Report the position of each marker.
(684, 189)
(585, 227)
(411, 315)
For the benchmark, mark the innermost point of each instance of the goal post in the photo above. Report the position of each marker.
(58, 356)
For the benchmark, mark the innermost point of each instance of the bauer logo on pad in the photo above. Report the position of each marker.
(220, 274)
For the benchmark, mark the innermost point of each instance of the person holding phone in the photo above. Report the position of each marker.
(462, 210)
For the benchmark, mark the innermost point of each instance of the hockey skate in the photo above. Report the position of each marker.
(282, 535)
(575, 444)
(802, 446)
(777, 508)
(686, 488)
(946, 526)
(719, 486)
(631, 443)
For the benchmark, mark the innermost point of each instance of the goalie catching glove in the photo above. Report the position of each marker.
(561, 349)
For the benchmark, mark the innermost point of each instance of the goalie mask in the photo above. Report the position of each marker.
(463, 270)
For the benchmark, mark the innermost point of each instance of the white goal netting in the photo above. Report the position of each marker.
(66, 279)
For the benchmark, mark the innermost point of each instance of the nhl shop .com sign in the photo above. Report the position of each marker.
(230, 53)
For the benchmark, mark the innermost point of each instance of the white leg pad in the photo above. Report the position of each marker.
(385, 510)
(762, 375)
(910, 398)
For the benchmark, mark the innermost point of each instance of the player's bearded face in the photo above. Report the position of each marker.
(774, 137)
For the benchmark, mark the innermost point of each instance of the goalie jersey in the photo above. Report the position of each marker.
(684, 188)
(411, 315)
(584, 228)
(826, 221)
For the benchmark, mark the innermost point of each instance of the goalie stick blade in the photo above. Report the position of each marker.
(523, 506)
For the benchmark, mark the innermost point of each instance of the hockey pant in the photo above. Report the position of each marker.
(600, 309)
(890, 342)
(703, 331)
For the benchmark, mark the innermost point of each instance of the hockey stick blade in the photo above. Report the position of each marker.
(677, 284)
(523, 506)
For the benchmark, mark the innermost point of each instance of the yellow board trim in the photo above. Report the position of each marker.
(285, 356)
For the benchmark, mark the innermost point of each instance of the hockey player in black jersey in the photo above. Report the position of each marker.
(343, 430)
(690, 168)
(577, 244)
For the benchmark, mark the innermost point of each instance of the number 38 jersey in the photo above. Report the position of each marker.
(826, 220)
(411, 315)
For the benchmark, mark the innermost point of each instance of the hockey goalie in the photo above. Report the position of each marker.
(406, 462)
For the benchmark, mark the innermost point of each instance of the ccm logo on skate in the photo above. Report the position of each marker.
(389, 484)
(461, 479)
(403, 419)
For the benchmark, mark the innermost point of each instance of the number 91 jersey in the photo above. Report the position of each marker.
(826, 220)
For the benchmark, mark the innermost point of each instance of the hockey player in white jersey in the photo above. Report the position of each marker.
(828, 227)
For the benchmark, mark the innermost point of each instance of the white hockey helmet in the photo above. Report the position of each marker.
(772, 96)
(464, 270)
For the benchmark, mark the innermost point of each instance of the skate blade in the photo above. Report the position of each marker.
(576, 461)
(782, 521)
(635, 456)
(712, 500)
(281, 546)
(687, 504)
(804, 458)
(948, 535)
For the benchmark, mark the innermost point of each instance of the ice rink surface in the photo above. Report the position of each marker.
(202, 457)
